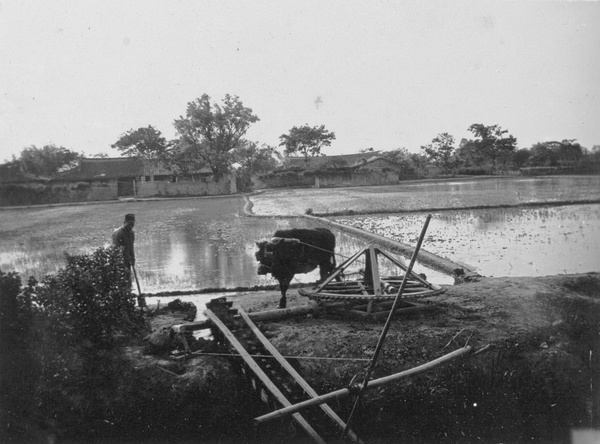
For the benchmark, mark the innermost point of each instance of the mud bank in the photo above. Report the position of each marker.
(535, 383)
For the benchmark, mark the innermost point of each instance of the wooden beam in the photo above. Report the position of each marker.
(292, 371)
(372, 384)
(262, 375)
(258, 316)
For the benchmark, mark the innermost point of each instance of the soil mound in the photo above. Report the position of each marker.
(533, 383)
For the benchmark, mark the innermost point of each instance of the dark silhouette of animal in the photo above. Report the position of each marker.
(299, 250)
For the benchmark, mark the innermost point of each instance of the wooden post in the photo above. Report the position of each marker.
(386, 327)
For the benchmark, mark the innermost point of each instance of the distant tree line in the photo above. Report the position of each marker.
(494, 150)
(212, 135)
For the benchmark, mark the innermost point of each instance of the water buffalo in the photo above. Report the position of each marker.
(298, 250)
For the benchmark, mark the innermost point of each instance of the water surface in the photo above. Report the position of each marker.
(190, 244)
(503, 241)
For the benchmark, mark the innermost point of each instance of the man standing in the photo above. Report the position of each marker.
(125, 237)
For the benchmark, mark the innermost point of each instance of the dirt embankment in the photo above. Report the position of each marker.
(533, 384)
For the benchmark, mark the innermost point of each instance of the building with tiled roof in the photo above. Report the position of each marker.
(328, 162)
(104, 169)
(101, 179)
(359, 169)
(107, 168)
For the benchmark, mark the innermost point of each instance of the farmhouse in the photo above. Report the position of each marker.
(103, 179)
(135, 177)
(344, 170)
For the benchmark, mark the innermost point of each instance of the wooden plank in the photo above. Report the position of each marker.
(262, 375)
(299, 379)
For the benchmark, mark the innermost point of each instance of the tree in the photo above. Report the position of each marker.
(493, 143)
(468, 155)
(569, 152)
(184, 160)
(419, 162)
(404, 160)
(306, 140)
(253, 159)
(520, 158)
(46, 161)
(542, 155)
(440, 152)
(209, 132)
(146, 143)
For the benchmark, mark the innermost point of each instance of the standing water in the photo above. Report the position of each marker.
(190, 244)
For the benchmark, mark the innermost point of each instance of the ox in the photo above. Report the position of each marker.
(294, 251)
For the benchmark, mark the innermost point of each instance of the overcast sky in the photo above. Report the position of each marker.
(381, 74)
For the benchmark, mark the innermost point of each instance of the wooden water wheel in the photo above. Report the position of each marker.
(371, 294)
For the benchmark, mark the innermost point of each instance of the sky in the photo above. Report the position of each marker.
(379, 74)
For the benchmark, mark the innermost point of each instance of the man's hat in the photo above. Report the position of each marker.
(130, 218)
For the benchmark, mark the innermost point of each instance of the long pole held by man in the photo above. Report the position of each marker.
(125, 237)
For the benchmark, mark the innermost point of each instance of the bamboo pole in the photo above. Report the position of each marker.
(372, 384)
(387, 325)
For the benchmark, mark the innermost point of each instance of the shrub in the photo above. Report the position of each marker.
(473, 171)
(18, 369)
(60, 366)
(91, 298)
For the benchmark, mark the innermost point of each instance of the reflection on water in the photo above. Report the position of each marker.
(208, 243)
(210, 256)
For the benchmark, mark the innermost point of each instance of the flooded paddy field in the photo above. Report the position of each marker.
(189, 244)
(180, 244)
(502, 241)
(416, 196)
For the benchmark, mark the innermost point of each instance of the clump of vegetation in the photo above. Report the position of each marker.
(58, 342)
(509, 395)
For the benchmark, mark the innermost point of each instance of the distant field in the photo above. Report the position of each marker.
(426, 195)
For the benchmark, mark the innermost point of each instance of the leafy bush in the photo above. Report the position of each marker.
(18, 369)
(58, 340)
(91, 298)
